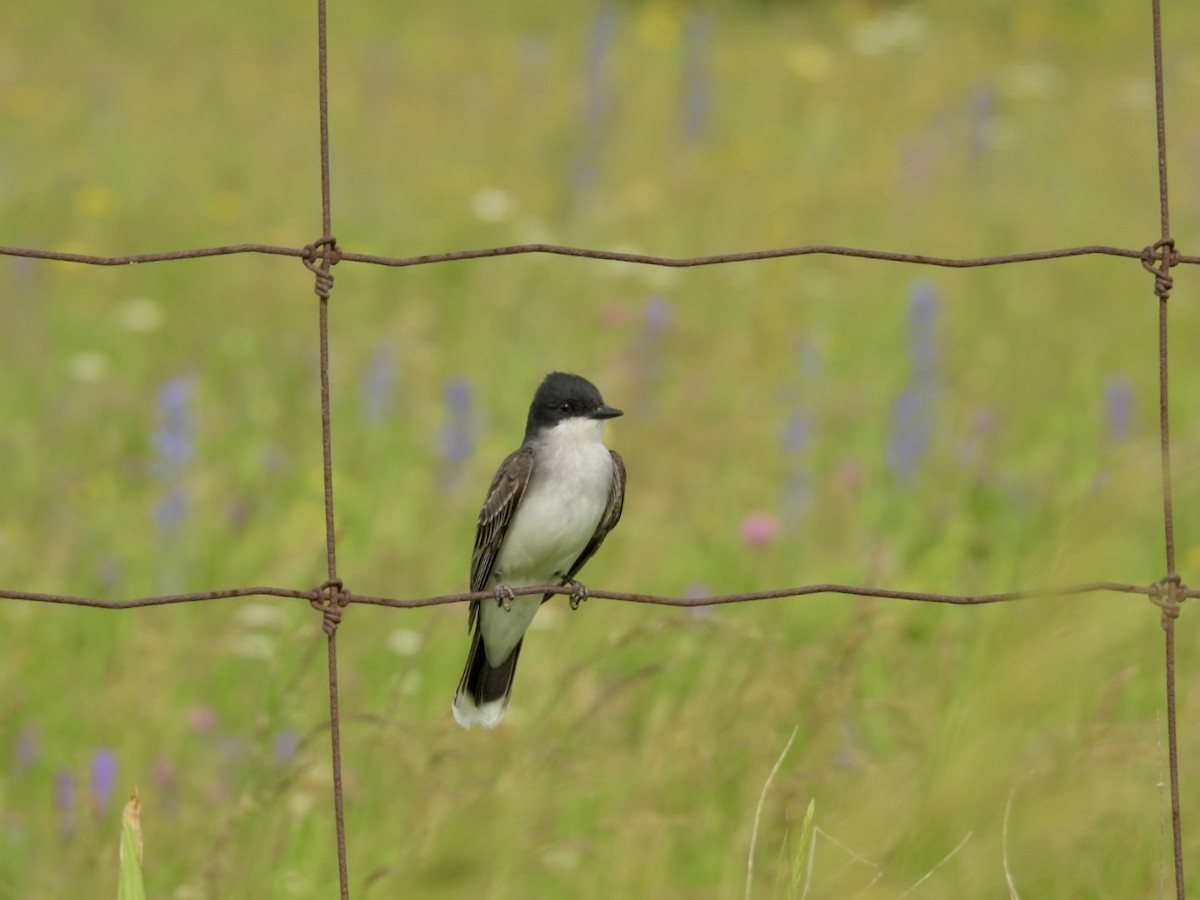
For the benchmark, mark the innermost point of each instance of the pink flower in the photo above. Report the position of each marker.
(202, 719)
(759, 529)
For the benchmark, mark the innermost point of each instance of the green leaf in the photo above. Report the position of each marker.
(130, 886)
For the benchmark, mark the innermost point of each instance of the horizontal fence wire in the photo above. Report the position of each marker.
(673, 262)
(347, 598)
(331, 598)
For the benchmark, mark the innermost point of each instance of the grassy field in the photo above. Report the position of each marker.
(789, 422)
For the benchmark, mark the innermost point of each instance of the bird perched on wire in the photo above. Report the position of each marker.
(550, 506)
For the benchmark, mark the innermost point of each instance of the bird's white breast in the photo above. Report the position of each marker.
(562, 506)
(566, 497)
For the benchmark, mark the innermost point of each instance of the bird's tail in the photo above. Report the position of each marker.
(484, 691)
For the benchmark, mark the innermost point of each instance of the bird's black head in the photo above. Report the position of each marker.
(564, 396)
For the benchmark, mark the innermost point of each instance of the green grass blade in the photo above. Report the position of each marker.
(802, 860)
(130, 886)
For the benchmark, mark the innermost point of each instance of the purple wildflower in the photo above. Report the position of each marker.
(457, 441)
(922, 338)
(658, 316)
(912, 411)
(110, 573)
(173, 438)
(797, 434)
(171, 509)
(64, 800)
(285, 745)
(600, 41)
(656, 320)
(1118, 407)
(378, 386)
(596, 98)
(695, 75)
(104, 779)
(982, 117)
(910, 432)
(26, 749)
(173, 443)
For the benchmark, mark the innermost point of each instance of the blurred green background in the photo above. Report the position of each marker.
(788, 422)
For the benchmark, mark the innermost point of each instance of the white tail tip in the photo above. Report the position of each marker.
(467, 713)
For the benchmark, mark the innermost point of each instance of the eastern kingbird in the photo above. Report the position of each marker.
(551, 504)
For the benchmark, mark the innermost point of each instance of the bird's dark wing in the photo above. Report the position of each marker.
(608, 521)
(507, 489)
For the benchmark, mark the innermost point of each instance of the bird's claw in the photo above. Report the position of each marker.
(504, 597)
(579, 593)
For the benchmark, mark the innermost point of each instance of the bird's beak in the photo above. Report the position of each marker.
(606, 412)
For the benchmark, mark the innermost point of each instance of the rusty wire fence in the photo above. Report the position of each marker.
(332, 597)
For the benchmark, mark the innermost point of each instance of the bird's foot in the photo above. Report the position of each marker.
(504, 597)
(579, 592)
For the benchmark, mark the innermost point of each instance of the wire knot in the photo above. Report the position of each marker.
(1168, 595)
(1157, 259)
(329, 599)
(318, 258)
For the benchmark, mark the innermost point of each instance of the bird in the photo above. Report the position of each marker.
(551, 504)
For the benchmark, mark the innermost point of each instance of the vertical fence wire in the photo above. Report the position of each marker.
(335, 598)
(1172, 583)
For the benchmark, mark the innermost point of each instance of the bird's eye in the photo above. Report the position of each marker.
(566, 406)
